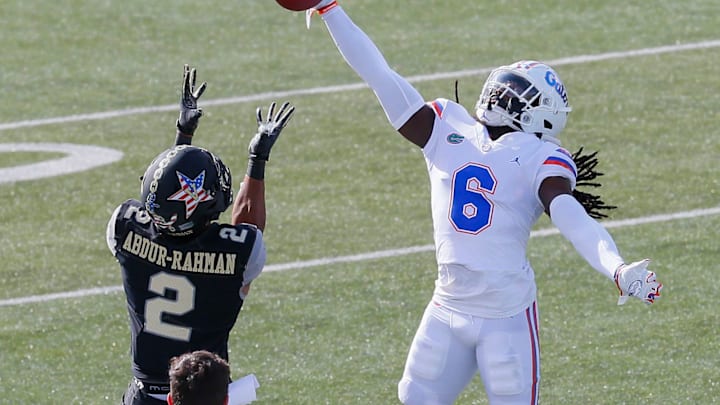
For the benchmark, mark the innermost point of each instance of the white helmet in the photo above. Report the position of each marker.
(526, 96)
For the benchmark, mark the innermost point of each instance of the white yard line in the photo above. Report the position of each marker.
(78, 158)
(334, 89)
(366, 256)
(340, 88)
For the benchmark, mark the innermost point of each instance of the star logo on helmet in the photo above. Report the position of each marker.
(191, 192)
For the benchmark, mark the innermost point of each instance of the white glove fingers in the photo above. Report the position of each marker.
(635, 280)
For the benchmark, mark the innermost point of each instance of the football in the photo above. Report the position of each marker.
(298, 5)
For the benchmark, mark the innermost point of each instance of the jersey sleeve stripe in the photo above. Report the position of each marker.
(438, 108)
(554, 160)
(564, 152)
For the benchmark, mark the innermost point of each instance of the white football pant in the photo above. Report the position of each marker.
(450, 347)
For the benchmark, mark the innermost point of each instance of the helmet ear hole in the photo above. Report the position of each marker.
(548, 124)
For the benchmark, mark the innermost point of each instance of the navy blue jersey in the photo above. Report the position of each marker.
(182, 294)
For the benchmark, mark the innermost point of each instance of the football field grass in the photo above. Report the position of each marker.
(349, 235)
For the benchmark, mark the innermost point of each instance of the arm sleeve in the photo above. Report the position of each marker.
(256, 262)
(110, 231)
(399, 99)
(589, 238)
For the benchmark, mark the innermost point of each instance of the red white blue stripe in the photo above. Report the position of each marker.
(558, 161)
(438, 107)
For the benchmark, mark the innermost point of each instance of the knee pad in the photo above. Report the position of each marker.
(505, 375)
(414, 393)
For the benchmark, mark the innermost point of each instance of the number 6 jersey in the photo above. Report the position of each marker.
(182, 294)
(484, 204)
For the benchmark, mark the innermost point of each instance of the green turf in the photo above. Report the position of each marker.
(11, 159)
(342, 182)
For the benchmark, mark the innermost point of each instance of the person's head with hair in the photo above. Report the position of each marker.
(198, 378)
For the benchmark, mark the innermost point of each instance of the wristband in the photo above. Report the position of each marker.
(256, 169)
(327, 8)
(182, 138)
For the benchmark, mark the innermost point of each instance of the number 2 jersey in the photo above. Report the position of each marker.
(484, 200)
(182, 294)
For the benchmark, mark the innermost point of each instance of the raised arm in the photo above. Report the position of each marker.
(190, 114)
(249, 205)
(404, 106)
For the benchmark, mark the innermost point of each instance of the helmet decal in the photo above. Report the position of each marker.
(163, 223)
(552, 80)
(150, 203)
(191, 192)
(176, 183)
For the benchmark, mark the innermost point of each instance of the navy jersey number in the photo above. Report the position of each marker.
(470, 208)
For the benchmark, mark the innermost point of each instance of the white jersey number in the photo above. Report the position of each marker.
(470, 208)
(183, 303)
(231, 234)
(141, 216)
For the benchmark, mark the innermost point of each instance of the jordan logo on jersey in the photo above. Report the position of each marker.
(191, 192)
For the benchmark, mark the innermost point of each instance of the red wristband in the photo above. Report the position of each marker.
(327, 8)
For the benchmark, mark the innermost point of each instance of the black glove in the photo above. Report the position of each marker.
(269, 131)
(189, 112)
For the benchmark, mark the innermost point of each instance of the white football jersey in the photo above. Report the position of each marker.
(484, 200)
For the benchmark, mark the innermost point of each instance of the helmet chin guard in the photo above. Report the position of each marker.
(185, 188)
(526, 96)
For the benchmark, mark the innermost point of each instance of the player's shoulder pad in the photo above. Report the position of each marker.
(128, 210)
(449, 110)
(133, 211)
(439, 105)
(559, 157)
(241, 233)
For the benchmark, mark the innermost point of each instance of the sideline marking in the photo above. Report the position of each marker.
(339, 88)
(79, 158)
(366, 256)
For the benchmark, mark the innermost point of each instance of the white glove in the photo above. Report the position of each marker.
(323, 6)
(635, 280)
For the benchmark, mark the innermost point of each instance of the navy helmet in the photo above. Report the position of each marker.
(184, 189)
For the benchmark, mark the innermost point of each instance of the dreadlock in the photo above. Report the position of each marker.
(586, 173)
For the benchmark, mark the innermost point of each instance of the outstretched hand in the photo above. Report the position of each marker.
(190, 114)
(635, 280)
(269, 130)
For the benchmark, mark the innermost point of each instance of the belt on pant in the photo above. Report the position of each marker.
(152, 387)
